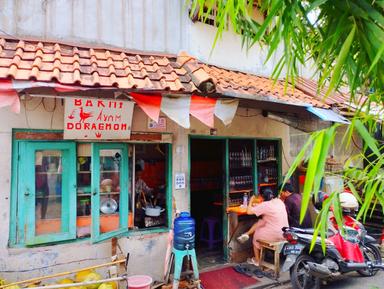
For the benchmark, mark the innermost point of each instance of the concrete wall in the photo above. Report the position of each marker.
(339, 150)
(149, 25)
(152, 25)
(147, 251)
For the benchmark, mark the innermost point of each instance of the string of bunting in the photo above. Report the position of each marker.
(176, 107)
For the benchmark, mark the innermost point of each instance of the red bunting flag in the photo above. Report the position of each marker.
(149, 103)
(203, 109)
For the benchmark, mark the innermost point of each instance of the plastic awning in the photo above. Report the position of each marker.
(328, 115)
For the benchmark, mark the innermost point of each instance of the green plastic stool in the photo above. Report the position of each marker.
(179, 257)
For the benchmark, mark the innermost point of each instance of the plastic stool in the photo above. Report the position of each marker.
(210, 224)
(179, 257)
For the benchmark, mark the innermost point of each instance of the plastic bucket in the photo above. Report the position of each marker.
(139, 282)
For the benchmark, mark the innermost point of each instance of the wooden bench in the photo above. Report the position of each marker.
(275, 247)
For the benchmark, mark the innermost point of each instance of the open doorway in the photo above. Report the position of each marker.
(207, 195)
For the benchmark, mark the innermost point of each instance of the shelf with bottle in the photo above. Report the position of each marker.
(267, 184)
(235, 202)
(240, 182)
(266, 153)
(248, 190)
(240, 159)
(268, 174)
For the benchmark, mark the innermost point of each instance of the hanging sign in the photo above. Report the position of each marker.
(97, 118)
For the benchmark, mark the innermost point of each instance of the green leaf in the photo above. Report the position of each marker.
(311, 173)
(340, 61)
(366, 136)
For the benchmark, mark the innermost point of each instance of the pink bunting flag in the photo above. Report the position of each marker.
(203, 109)
(9, 96)
(150, 104)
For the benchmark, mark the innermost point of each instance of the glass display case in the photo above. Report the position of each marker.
(267, 152)
(241, 179)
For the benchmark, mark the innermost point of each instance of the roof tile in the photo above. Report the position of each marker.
(68, 64)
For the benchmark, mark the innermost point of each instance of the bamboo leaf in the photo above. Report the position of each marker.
(366, 136)
(311, 173)
(340, 61)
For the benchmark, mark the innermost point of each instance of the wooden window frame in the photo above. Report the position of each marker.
(18, 236)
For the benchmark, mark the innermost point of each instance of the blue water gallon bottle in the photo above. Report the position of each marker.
(184, 232)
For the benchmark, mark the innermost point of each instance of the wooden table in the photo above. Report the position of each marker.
(238, 223)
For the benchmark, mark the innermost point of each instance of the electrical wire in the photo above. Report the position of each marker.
(52, 112)
(251, 115)
(54, 105)
(285, 157)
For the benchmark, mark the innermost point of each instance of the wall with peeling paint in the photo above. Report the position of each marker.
(149, 25)
(147, 251)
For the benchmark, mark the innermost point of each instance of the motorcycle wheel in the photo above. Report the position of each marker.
(373, 254)
(300, 279)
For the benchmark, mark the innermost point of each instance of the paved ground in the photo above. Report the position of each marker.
(349, 281)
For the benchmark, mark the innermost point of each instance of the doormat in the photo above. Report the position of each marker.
(226, 278)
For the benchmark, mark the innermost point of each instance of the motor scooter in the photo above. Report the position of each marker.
(350, 250)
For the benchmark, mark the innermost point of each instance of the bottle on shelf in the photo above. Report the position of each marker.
(245, 200)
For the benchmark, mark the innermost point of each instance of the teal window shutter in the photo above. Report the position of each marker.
(110, 182)
(48, 189)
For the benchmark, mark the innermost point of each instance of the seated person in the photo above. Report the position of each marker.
(268, 228)
(292, 203)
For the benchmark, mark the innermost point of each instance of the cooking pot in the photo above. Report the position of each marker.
(153, 211)
(108, 206)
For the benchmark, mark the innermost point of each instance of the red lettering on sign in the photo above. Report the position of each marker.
(101, 126)
(100, 103)
(69, 125)
(86, 125)
(116, 126)
(108, 126)
(78, 102)
(78, 125)
(94, 126)
(88, 103)
(123, 126)
(99, 117)
(117, 118)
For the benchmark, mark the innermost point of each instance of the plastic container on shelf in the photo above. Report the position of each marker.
(184, 232)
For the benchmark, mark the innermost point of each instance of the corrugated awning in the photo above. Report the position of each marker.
(328, 115)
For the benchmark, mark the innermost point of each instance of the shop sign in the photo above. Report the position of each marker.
(97, 118)
(160, 125)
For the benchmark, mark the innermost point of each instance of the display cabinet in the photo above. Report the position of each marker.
(241, 176)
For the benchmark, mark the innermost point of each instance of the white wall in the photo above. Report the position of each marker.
(228, 51)
(152, 25)
(148, 251)
(148, 25)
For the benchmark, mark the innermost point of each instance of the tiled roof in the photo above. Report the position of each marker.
(44, 61)
(310, 87)
(100, 67)
(251, 86)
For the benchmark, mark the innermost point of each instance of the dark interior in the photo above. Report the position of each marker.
(207, 178)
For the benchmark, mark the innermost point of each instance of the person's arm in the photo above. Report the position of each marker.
(249, 207)
(258, 209)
